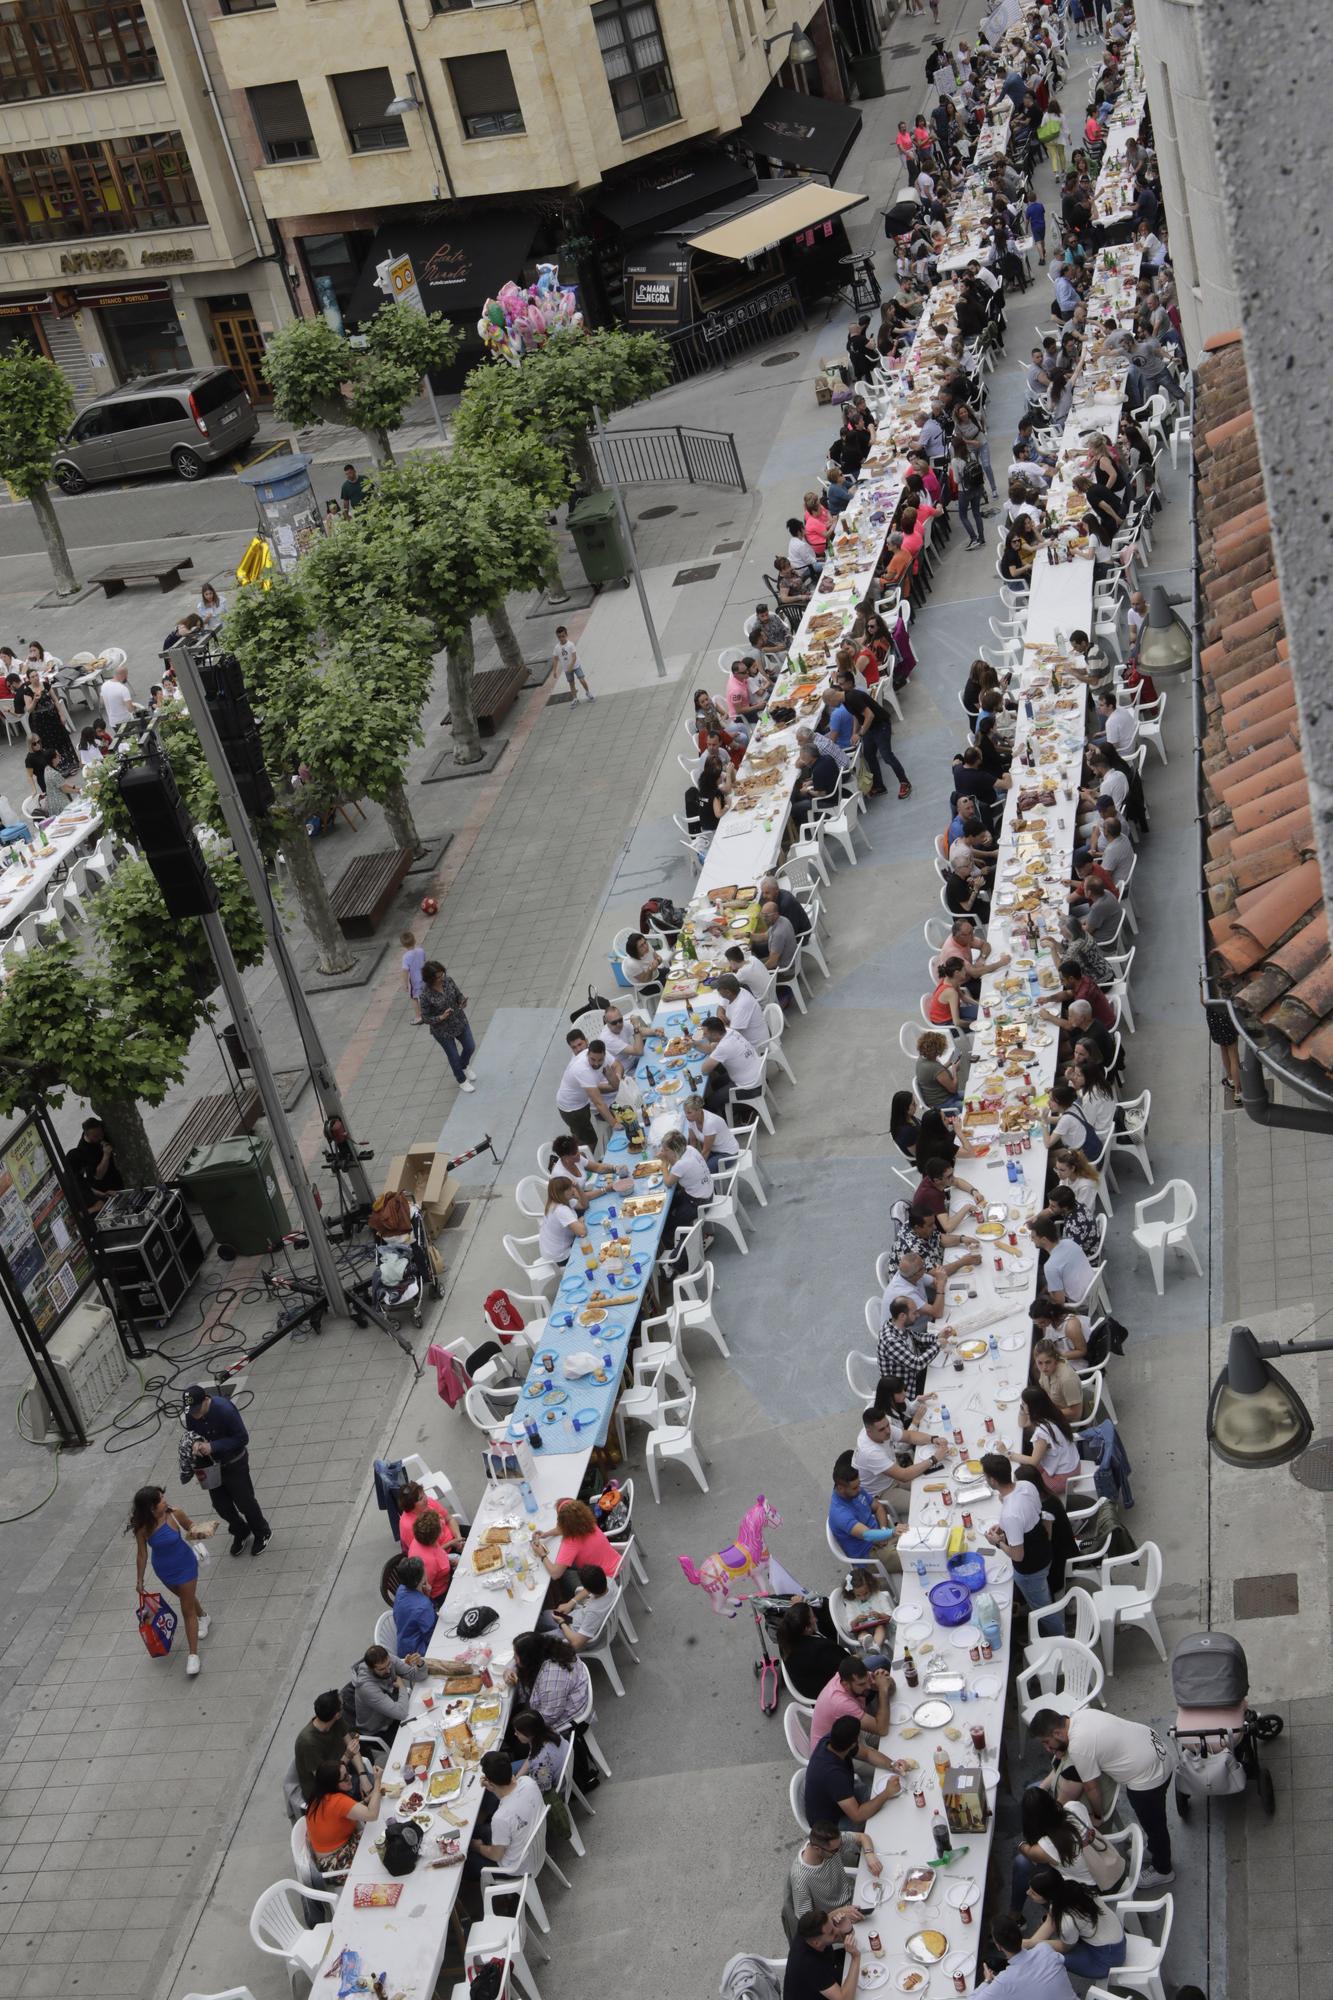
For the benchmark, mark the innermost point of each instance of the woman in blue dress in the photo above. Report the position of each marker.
(165, 1533)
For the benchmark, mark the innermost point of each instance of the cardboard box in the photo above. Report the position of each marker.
(422, 1172)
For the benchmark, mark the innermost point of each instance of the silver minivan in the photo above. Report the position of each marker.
(179, 422)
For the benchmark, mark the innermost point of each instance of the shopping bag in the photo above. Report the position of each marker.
(157, 1624)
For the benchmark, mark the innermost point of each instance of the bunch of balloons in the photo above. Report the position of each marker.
(518, 322)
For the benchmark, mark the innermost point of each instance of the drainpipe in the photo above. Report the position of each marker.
(428, 104)
(1257, 1066)
(232, 161)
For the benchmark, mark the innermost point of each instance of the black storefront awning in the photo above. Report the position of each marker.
(805, 132)
(673, 192)
(459, 261)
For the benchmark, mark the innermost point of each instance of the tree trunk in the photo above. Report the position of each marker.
(125, 1129)
(460, 659)
(402, 826)
(53, 535)
(295, 847)
(585, 462)
(505, 637)
(380, 448)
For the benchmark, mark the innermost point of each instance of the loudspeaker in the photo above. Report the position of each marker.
(167, 840)
(233, 718)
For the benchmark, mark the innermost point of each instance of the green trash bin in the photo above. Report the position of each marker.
(595, 525)
(235, 1186)
(868, 73)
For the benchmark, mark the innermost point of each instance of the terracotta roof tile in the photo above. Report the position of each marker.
(1268, 929)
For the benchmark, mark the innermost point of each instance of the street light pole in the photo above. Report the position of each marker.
(1256, 1420)
(628, 533)
(252, 865)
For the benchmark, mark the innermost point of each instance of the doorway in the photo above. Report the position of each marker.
(240, 345)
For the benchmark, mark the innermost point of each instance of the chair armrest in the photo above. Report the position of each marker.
(319, 1895)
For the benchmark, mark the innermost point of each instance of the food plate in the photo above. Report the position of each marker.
(985, 1686)
(872, 1976)
(971, 1350)
(574, 1294)
(907, 1980)
(918, 1883)
(927, 1947)
(933, 1714)
(962, 1895)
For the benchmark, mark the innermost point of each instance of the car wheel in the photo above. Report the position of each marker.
(186, 464)
(69, 479)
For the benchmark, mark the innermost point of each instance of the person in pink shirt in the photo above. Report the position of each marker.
(914, 527)
(412, 1500)
(747, 690)
(818, 523)
(905, 143)
(859, 1690)
(582, 1541)
(427, 1545)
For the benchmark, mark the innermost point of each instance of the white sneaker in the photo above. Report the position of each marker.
(1150, 1879)
(203, 1624)
(466, 1085)
(192, 1665)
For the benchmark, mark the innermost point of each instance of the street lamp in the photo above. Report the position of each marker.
(1255, 1418)
(398, 107)
(1165, 643)
(802, 49)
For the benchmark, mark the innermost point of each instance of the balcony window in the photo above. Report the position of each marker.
(484, 93)
(57, 194)
(634, 57)
(246, 6)
(279, 112)
(362, 95)
(56, 48)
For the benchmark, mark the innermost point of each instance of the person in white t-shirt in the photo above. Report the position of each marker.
(623, 1036)
(1021, 1533)
(730, 1065)
(118, 704)
(750, 971)
(1056, 1836)
(875, 1457)
(565, 660)
(741, 1011)
(1101, 1752)
(585, 1090)
(1053, 1452)
(518, 1806)
(685, 1173)
(1086, 1932)
(561, 1224)
(710, 1135)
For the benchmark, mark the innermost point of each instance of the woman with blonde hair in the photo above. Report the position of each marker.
(561, 1222)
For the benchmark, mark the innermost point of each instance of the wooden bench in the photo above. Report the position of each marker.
(494, 694)
(166, 575)
(208, 1120)
(366, 889)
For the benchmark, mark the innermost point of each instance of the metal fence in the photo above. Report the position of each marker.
(715, 341)
(648, 457)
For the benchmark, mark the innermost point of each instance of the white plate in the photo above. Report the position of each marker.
(962, 1895)
(990, 1776)
(932, 1714)
(909, 1614)
(916, 1980)
(1014, 1341)
(873, 1976)
(964, 1637)
(986, 1686)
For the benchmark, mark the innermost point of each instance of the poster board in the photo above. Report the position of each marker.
(48, 1262)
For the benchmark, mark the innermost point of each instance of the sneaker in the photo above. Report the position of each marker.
(467, 1084)
(192, 1665)
(203, 1624)
(238, 1542)
(1150, 1879)
(262, 1542)
(904, 790)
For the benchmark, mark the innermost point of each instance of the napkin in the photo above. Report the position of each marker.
(579, 1364)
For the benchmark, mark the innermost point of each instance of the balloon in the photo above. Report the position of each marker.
(494, 312)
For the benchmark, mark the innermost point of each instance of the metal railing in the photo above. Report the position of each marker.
(671, 452)
(717, 340)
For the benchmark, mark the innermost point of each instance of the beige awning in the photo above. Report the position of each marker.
(786, 215)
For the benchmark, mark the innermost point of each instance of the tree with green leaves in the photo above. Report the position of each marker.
(319, 377)
(553, 393)
(112, 1024)
(36, 411)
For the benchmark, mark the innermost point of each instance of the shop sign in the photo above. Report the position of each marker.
(74, 261)
(726, 319)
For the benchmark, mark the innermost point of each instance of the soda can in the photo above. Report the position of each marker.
(919, 1792)
(967, 1520)
(966, 1913)
(974, 1653)
(947, 1497)
(990, 1426)
(960, 1982)
(986, 1650)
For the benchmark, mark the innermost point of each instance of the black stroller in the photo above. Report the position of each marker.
(1216, 1736)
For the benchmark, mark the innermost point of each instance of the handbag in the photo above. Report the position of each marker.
(1105, 1864)
(157, 1623)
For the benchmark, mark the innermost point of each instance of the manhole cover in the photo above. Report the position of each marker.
(1266, 1596)
(778, 360)
(1315, 1466)
(726, 548)
(700, 573)
(902, 48)
(655, 513)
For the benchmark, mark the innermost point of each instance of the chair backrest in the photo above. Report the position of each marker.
(530, 1194)
(863, 1373)
(676, 1413)
(477, 1408)
(796, 1726)
(275, 1925)
(386, 1631)
(796, 1793)
(1135, 1111)
(1147, 1906)
(774, 1020)
(693, 1288)
(874, 1318)
(1132, 1843)
(515, 1247)
(1081, 1672)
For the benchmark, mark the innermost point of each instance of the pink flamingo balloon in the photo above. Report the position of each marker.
(747, 1557)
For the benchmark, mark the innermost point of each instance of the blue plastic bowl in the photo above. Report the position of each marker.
(969, 1570)
(951, 1603)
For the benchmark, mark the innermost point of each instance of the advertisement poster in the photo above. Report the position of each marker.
(49, 1261)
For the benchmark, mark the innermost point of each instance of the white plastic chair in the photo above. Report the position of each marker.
(525, 1252)
(644, 1399)
(808, 847)
(796, 1726)
(1119, 1605)
(775, 1021)
(615, 1626)
(756, 1106)
(874, 1317)
(530, 1195)
(530, 1862)
(488, 1408)
(1085, 1623)
(862, 1375)
(796, 1794)
(505, 1937)
(1141, 1971)
(746, 1168)
(241, 1993)
(856, 1562)
(725, 1210)
(1066, 1676)
(276, 1928)
(672, 1438)
(1118, 989)
(592, 1746)
(1170, 1232)
(1131, 1842)
(437, 1484)
(386, 1632)
(692, 1295)
(102, 861)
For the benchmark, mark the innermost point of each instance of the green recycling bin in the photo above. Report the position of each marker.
(595, 525)
(234, 1184)
(868, 73)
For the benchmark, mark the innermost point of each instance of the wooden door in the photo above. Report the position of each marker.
(242, 348)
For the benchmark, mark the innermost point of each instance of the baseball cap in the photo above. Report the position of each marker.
(195, 1395)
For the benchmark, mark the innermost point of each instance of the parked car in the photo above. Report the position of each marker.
(181, 421)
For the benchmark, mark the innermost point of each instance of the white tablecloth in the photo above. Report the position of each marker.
(1113, 199)
(24, 885)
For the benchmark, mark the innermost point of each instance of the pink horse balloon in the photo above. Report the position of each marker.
(747, 1557)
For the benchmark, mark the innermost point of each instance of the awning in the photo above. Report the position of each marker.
(459, 261)
(759, 228)
(805, 132)
(675, 190)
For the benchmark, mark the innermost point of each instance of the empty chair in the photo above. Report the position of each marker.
(1118, 990)
(725, 1211)
(526, 1253)
(1133, 1602)
(796, 1794)
(490, 1408)
(276, 1927)
(101, 864)
(672, 1438)
(650, 1389)
(505, 1938)
(862, 1375)
(386, 1632)
(1065, 1676)
(1133, 1140)
(692, 1293)
(746, 1168)
(1169, 1230)
(796, 1727)
(1085, 1630)
(775, 1021)
(1141, 1971)
(37, 929)
(77, 888)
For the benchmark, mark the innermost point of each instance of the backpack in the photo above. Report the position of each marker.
(974, 478)
(402, 1845)
(391, 1214)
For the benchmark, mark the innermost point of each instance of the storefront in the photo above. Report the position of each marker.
(21, 321)
(741, 275)
(140, 330)
(790, 133)
(459, 262)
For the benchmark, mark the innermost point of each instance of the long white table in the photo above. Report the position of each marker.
(25, 883)
(1113, 198)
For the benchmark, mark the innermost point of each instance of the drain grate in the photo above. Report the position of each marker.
(779, 360)
(700, 573)
(1315, 1466)
(1266, 1596)
(902, 48)
(726, 548)
(656, 513)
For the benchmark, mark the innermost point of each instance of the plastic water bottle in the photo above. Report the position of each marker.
(921, 1568)
(944, 1415)
(528, 1497)
(994, 1346)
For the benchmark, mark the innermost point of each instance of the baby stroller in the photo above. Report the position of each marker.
(404, 1266)
(1216, 1736)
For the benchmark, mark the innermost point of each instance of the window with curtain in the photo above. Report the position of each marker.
(634, 57)
(483, 87)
